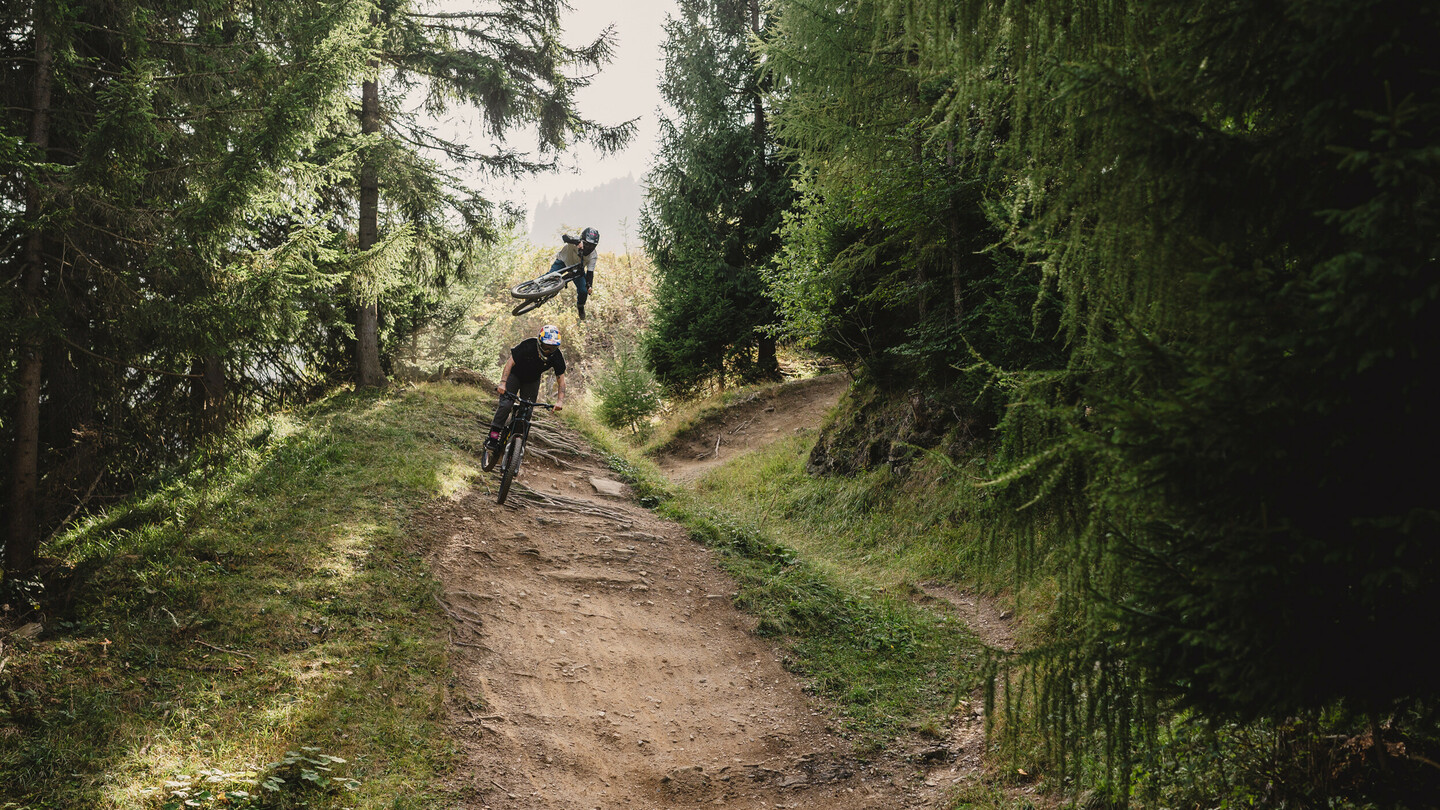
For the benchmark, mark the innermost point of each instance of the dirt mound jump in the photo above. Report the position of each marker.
(764, 417)
(601, 664)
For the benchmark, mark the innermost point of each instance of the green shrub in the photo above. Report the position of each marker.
(627, 394)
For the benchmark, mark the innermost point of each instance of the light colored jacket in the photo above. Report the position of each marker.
(570, 254)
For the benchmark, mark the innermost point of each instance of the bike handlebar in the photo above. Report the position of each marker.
(524, 401)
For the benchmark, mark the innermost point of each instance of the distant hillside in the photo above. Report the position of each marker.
(604, 207)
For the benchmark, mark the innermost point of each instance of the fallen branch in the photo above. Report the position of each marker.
(222, 649)
(81, 505)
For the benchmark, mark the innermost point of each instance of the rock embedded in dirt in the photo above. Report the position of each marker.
(686, 781)
(605, 486)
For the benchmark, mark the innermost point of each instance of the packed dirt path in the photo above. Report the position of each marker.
(601, 663)
(750, 424)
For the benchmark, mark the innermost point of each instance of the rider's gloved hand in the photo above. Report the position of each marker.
(569, 240)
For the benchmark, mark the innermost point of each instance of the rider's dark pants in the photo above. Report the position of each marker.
(582, 291)
(512, 389)
(582, 284)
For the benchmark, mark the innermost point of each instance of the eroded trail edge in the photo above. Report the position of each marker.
(600, 661)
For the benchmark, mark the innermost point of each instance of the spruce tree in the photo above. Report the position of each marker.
(1231, 208)
(166, 129)
(714, 202)
(890, 260)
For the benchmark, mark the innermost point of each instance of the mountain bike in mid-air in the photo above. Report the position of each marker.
(512, 444)
(537, 291)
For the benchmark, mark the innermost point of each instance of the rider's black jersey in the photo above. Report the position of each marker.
(530, 364)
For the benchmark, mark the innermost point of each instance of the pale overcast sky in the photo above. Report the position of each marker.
(626, 88)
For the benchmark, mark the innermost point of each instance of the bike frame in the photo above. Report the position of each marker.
(520, 414)
(532, 301)
(512, 451)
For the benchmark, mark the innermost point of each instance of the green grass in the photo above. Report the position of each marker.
(881, 530)
(229, 617)
(892, 667)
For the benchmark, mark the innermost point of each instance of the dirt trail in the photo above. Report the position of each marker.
(750, 424)
(601, 664)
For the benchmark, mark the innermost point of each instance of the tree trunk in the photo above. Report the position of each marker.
(767, 360)
(24, 534)
(759, 123)
(368, 373)
(207, 394)
(765, 349)
(957, 280)
(921, 310)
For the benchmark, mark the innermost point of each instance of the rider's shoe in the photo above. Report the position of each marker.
(493, 441)
(580, 309)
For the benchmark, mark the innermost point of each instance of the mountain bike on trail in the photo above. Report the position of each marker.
(512, 444)
(519, 388)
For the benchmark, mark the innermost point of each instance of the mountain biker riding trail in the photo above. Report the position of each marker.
(575, 251)
(521, 376)
(599, 660)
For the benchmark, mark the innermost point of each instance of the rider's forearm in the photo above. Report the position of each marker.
(560, 389)
(505, 374)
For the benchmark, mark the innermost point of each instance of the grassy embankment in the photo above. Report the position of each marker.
(874, 536)
(277, 605)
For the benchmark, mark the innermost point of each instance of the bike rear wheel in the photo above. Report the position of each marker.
(511, 466)
(542, 287)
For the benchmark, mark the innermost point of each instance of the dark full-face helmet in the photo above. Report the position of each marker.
(589, 238)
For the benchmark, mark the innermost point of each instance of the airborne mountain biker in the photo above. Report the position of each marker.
(575, 251)
(521, 376)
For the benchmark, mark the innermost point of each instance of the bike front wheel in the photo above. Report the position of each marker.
(511, 467)
(542, 287)
(525, 306)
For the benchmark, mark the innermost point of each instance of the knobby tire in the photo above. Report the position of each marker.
(542, 287)
(525, 306)
(512, 466)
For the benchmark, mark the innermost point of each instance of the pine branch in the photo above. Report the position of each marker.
(122, 364)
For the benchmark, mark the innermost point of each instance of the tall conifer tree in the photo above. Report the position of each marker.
(161, 133)
(1233, 207)
(715, 199)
